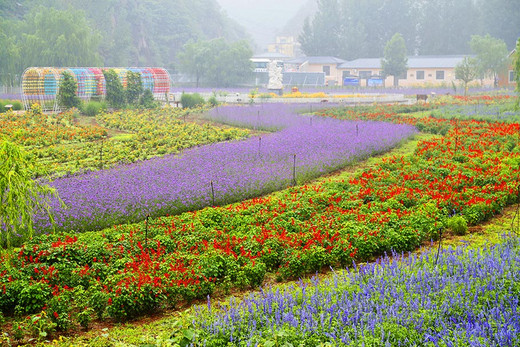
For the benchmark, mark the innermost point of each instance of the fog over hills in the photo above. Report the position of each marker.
(264, 19)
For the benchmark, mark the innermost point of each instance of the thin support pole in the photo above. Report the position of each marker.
(294, 170)
(212, 193)
(146, 232)
(439, 249)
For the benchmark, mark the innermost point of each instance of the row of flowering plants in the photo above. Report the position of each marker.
(129, 270)
(34, 129)
(63, 146)
(220, 173)
(457, 298)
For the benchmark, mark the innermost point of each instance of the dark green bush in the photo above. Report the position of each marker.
(92, 108)
(191, 100)
(213, 101)
(17, 105)
(147, 100)
(458, 225)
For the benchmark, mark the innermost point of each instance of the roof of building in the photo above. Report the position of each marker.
(316, 60)
(414, 62)
(271, 55)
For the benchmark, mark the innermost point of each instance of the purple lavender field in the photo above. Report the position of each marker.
(467, 298)
(238, 170)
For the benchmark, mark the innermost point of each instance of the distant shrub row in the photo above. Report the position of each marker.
(16, 105)
(195, 100)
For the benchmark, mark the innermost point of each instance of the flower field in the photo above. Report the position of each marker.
(63, 147)
(469, 170)
(467, 298)
(219, 173)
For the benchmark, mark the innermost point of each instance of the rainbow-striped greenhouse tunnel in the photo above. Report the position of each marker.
(40, 85)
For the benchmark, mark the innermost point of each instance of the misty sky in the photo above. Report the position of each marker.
(262, 18)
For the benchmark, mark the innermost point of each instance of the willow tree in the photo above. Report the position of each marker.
(20, 195)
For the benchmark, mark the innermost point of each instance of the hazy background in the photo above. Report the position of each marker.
(265, 19)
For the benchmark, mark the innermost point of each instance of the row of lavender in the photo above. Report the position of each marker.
(220, 173)
(469, 298)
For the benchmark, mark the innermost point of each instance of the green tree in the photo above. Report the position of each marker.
(147, 100)
(67, 92)
(322, 37)
(115, 92)
(217, 62)
(134, 87)
(10, 66)
(466, 71)
(20, 196)
(395, 61)
(491, 55)
(194, 59)
(58, 38)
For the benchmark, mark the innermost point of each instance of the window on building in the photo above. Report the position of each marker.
(419, 75)
(365, 74)
(439, 75)
(511, 76)
(346, 73)
(326, 70)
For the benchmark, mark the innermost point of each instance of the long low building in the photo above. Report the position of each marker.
(423, 71)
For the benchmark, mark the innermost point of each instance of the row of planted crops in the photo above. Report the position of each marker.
(468, 171)
(63, 145)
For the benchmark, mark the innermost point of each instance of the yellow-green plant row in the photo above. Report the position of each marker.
(62, 146)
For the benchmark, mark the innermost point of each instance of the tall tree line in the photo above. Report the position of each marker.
(352, 29)
(104, 32)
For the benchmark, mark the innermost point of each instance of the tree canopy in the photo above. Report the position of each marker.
(491, 55)
(395, 61)
(217, 62)
(351, 29)
(466, 71)
(104, 32)
(67, 92)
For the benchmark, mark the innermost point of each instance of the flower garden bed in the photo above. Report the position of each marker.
(130, 270)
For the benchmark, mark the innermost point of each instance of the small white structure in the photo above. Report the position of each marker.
(275, 76)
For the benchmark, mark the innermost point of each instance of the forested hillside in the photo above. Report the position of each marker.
(352, 29)
(106, 32)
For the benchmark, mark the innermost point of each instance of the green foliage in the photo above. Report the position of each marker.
(134, 87)
(466, 71)
(67, 92)
(192, 100)
(322, 36)
(115, 92)
(52, 37)
(17, 105)
(33, 298)
(458, 225)
(93, 108)
(217, 62)
(351, 29)
(40, 326)
(20, 195)
(395, 61)
(213, 101)
(491, 55)
(147, 100)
